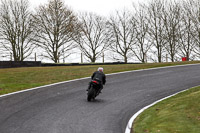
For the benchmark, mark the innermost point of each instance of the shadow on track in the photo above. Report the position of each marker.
(97, 101)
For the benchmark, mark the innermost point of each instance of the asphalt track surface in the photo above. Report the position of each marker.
(63, 108)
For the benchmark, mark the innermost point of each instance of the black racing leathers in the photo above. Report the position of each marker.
(98, 76)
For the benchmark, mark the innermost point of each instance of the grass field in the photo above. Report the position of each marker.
(178, 114)
(15, 79)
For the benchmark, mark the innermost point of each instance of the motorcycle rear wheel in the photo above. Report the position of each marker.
(91, 94)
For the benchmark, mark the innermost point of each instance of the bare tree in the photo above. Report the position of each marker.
(192, 8)
(156, 27)
(187, 31)
(121, 35)
(142, 45)
(171, 19)
(91, 36)
(16, 29)
(55, 24)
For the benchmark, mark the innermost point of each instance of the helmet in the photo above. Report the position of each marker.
(100, 69)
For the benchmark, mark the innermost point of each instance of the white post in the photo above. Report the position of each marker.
(35, 57)
(103, 57)
(166, 57)
(81, 57)
(11, 56)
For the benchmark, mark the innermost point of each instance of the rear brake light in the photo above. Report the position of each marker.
(95, 82)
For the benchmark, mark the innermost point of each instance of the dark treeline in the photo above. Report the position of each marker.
(158, 31)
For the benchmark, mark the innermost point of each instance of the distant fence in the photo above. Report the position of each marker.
(84, 64)
(11, 64)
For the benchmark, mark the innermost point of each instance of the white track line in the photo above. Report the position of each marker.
(89, 77)
(42, 87)
(130, 123)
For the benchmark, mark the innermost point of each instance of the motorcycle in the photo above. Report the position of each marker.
(94, 90)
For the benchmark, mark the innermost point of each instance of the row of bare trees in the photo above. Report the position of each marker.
(154, 31)
(16, 29)
(173, 28)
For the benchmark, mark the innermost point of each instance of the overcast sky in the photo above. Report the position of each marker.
(102, 7)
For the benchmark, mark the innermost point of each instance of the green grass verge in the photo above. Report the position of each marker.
(16, 79)
(178, 114)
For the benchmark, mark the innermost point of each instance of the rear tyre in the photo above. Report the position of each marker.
(91, 94)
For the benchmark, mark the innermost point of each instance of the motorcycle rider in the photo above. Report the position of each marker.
(100, 77)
